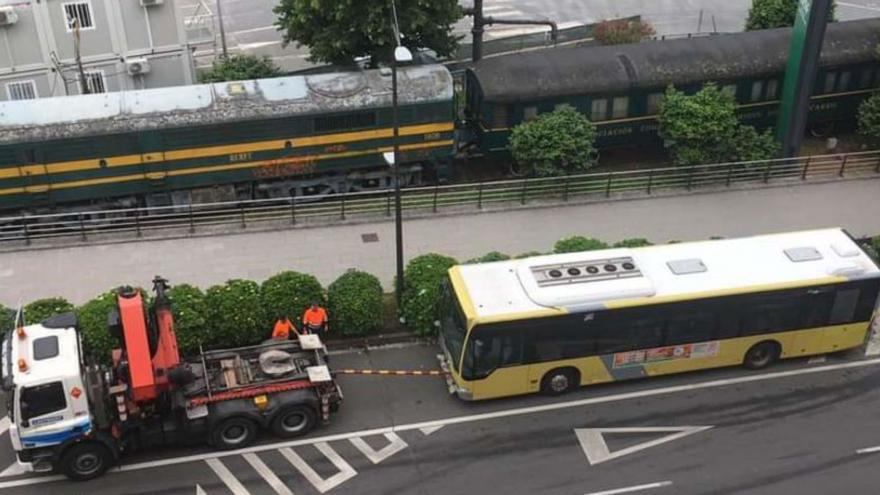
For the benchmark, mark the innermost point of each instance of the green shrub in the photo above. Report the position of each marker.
(422, 277)
(41, 309)
(488, 258)
(290, 293)
(620, 31)
(869, 119)
(92, 318)
(556, 143)
(241, 67)
(576, 244)
(235, 314)
(354, 301)
(632, 243)
(7, 319)
(190, 322)
(528, 254)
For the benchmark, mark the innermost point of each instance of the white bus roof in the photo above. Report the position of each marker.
(617, 277)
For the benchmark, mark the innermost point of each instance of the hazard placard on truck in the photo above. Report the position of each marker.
(80, 418)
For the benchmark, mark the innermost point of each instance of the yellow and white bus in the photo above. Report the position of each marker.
(553, 323)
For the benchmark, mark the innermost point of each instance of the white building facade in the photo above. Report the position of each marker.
(124, 44)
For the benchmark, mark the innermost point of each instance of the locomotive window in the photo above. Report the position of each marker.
(599, 110)
(530, 113)
(757, 90)
(619, 107)
(654, 100)
(843, 80)
(350, 121)
(772, 89)
(30, 156)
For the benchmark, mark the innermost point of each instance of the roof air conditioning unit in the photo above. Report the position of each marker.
(8, 16)
(137, 66)
(150, 3)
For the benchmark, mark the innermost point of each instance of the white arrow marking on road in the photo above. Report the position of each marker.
(267, 474)
(227, 477)
(630, 489)
(14, 469)
(868, 450)
(199, 490)
(395, 445)
(430, 429)
(4, 425)
(345, 473)
(597, 451)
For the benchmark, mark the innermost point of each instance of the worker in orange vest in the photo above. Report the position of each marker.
(314, 319)
(282, 329)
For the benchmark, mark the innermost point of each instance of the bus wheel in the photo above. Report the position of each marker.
(233, 433)
(559, 381)
(293, 422)
(761, 355)
(85, 461)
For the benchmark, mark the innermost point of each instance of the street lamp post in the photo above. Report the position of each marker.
(401, 55)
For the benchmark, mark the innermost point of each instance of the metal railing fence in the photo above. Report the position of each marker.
(150, 221)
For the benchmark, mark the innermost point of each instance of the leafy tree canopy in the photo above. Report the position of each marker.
(768, 14)
(339, 31)
(556, 143)
(241, 67)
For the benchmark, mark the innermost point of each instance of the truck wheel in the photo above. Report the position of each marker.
(85, 461)
(233, 433)
(293, 422)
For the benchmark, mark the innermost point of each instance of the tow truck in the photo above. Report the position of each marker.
(79, 418)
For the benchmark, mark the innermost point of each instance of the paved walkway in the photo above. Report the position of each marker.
(79, 273)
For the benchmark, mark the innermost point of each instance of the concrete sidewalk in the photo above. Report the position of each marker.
(79, 273)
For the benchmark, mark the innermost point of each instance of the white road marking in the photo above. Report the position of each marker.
(256, 30)
(267, 474)
(596, 449)
(817, 359)
(14, 469)
(868, 450)
(4, 425)
(346, 472)
(257, 44)
(430, 429)
(200, 490)
(630, 489)
(856, 6)
(556, 406)
(227, 477)
(395, 445)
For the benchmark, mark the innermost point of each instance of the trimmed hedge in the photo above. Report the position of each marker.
(7, 318)
(41, 309)
(289, 293)
(235, 315)
(488, 258)
(422, 279)
(189, 309)
(528, 254)
(576, 244)
(354, 301)
(632, 243)
(92, 318)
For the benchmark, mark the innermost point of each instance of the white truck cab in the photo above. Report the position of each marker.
(48, 403)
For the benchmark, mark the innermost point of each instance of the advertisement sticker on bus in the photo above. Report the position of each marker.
(659, 354)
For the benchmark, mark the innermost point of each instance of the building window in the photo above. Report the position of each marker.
(95, 81)
(21, 90)
(78, 12)
(599, 110)
(619, 107)
(654, 100)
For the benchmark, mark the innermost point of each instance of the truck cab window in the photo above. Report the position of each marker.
(45, 348)
(41, 400)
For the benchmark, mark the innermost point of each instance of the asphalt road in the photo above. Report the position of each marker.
(794, 429)
(249, 23)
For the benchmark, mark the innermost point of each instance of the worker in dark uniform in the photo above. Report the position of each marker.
(314, 319)
(282, 329)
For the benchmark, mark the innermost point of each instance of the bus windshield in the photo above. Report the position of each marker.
(452, 324)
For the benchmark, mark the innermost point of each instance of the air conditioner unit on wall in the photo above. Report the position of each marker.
(150, 3)
(137, 66)
(8, 16)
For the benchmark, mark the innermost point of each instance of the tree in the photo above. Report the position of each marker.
(768, 14)
(355, 303)
(577, 243)
(241, 67)
(290, 293)
(41, 309)
(704, 128)
(488, 258)
(556, 143)
(7, 319)
(190, 322)
(869, 119)
(339, 31)
(620, 31)
(423, 276)
(235, 315)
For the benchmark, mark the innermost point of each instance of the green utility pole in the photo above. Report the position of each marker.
(803, 60)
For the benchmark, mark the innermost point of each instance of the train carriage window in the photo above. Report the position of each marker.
(599, 109)
(619, 107)
(830, 78)
(729, 89)
(757, 91)
(772, 89)
(866, 77)
(843, 80)
(530, 113)
(499, 117)
(653, 103)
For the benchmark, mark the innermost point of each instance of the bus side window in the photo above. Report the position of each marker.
(816, 308)
(697, 326)
(867, 301)
(492, 352)
(769, 315)
(728, 324)
(844, 308)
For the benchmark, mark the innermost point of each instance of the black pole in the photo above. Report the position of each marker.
(477, 31)
(398, 220)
